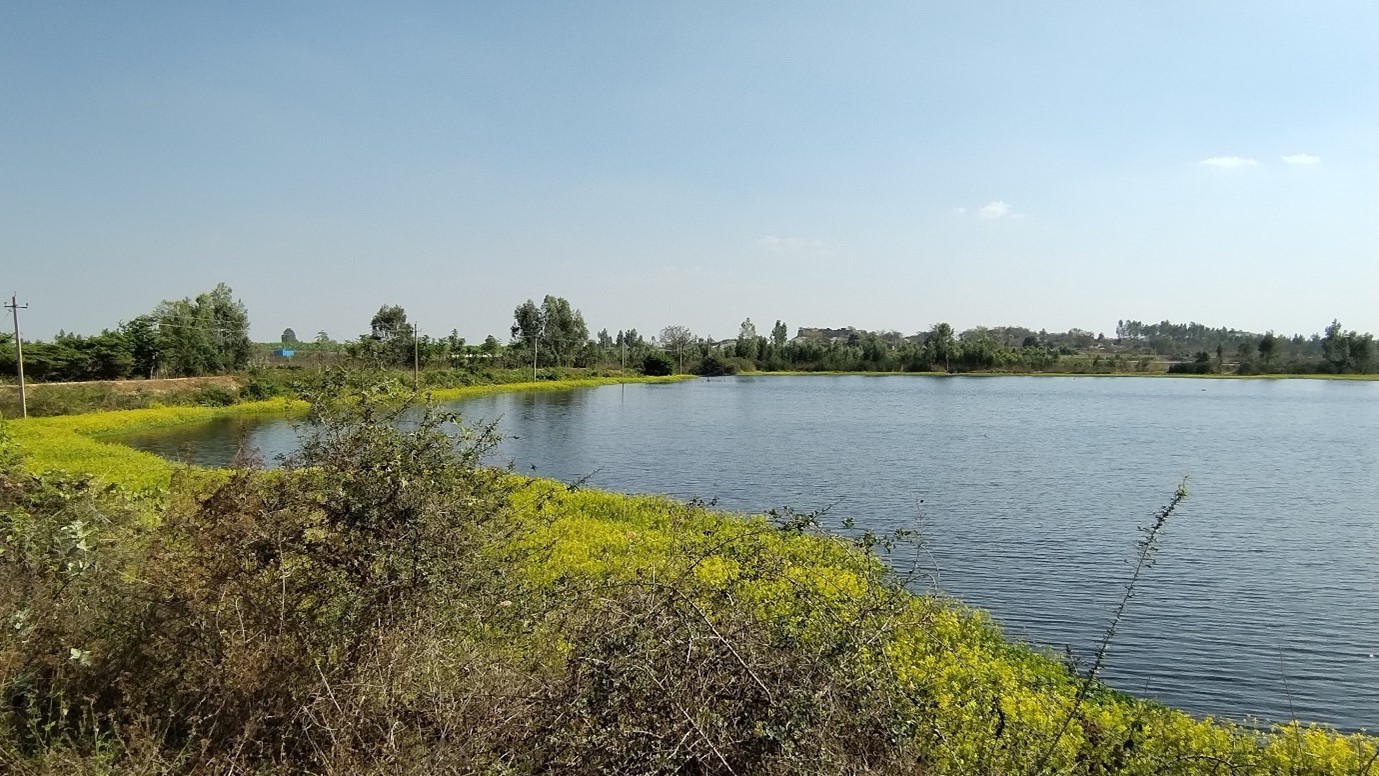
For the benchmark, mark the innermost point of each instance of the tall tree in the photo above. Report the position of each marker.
(490, 347)
(1361, 352)
(747, 331)
(391, 329)
(1268, 349)
(565, 332)
(145, 344)
(746, 340)
(204, 335)
(528, 322)
(676, 338)
(941, 344)
(390, 322)
(779, 334)
(229, 321)
(1336, 346)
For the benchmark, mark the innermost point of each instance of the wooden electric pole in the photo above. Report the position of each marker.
(15, 307)
(416, 360)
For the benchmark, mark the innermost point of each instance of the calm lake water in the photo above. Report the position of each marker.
(1029, 490)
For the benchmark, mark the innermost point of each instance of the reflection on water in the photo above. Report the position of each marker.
(1266, 593)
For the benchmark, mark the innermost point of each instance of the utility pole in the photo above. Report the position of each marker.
(15, 307)
(416, 360)
(534, 340)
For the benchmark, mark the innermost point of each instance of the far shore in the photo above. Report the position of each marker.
(1364, 377)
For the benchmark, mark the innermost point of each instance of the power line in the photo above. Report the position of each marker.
(199, 327)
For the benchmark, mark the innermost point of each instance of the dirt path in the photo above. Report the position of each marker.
(160, 385)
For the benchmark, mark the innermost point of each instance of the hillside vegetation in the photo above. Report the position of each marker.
(386, 604)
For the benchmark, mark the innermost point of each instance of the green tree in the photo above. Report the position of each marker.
(1268, 349)
(454, 342)
(145, 345)
(229, 323)
(779, 334)
(390, 327)
(205, 335)
(8, 362)
(107, 356)
(565, 334)
(528, 324)
(491, 347)
(1244, 356)
(1361, 352)
(747, 331)
(746, 346)
(390, 322)
(941, 345)
(289, 337)
(188, 348)
(657, 364)
(677, 338)
(1336, 346)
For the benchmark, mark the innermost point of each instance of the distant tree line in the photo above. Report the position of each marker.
(1334, 351)
(1182, 348)
(208, 334)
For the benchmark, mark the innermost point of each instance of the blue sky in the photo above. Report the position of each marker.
(882, 165)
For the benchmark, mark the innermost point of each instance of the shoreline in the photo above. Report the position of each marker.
(80, 442)
(1157, 375)
(604, 534)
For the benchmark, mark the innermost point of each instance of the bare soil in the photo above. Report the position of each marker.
(159, 385)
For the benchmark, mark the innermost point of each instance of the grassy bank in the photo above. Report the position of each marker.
(1318, 376)
(80, 443)
(387, 607)
(54, 399)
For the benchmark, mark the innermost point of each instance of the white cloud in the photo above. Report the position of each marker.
(994, 210)
(794, 245)
(1301, 159)
(959, 211)
(1228, 162)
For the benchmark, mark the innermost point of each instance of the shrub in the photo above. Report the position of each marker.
(657, 364)
(258, 612)
(216, 396)
(1190, 368)
(262, 385)
(714, 365)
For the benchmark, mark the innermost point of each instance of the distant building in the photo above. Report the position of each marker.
(284, 353)
(809, 334)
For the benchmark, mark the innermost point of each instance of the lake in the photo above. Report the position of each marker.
(1028, 491)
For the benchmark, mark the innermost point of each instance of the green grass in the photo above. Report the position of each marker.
(471, 391)
(976, 680)
(81, 443)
